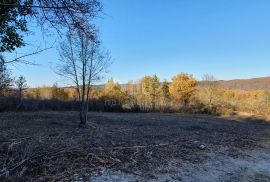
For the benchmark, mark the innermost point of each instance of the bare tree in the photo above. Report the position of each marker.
(83, 61)
(210, 89)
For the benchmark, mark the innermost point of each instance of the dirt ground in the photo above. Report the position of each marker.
(49, 146)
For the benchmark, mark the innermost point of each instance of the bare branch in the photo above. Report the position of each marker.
(83, 62)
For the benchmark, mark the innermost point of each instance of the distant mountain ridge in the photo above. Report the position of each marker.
(262, 83)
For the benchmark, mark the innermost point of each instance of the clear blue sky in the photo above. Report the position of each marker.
(227, 38)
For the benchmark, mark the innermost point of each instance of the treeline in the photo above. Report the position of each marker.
(149, 94)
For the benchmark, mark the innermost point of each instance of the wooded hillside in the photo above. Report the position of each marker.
(262, 83)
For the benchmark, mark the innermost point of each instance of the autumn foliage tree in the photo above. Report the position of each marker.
(113, 93)
(150, 89)
(58, 93)
(164, 92)
(182, 88)
(21, 85)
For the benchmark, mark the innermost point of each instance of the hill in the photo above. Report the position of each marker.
(262, 83)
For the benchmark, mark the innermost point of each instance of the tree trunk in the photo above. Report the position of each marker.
(83, 115)
(19, 99)
(186, 102)
(153, 106)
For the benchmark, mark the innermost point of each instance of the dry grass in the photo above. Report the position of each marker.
(50, 146)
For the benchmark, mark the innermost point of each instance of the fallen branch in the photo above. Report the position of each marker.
(142, 146)
(12, 169)
(13, 140)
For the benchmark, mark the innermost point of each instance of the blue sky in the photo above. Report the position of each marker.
(227, 38)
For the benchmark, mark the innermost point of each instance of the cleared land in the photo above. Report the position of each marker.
(45, 146)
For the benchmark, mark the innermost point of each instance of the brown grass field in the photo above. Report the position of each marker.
(49, 146)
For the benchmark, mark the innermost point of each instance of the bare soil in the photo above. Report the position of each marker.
(49, 146)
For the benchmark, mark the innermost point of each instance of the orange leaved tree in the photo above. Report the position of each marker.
(182, 88)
